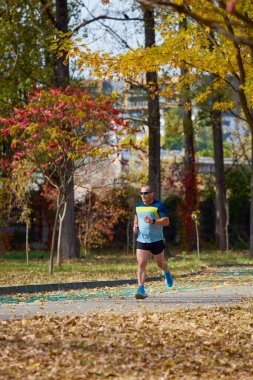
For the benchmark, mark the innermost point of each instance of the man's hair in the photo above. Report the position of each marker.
(151, 187)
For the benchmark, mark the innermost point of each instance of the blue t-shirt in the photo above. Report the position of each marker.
(149, 233)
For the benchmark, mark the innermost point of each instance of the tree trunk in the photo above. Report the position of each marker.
(27, 248)
(251, 199)
(190, 165)
(221, 229)
(190, 176)
(190, 180)
(61, 69)
(153, 110)
(61, 218)
(68, 246)
(128, 232)
(51, 259)
(88, 224)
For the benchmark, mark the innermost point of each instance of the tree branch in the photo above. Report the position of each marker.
(240, 16)
(210, 22)
(104, 17)
(237, 116)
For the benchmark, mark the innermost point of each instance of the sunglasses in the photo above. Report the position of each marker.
(145, 192)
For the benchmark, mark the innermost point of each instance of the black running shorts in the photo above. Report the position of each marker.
(156, 247)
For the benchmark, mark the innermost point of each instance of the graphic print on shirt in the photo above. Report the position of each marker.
(149, 233)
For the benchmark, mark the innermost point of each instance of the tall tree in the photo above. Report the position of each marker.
(68, 245)
(190, 176)
(153, 109)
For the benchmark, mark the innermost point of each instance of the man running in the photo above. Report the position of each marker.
(151, 216)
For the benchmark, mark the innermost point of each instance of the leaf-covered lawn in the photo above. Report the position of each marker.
(208, 343)
(212, 278)
(107, 267)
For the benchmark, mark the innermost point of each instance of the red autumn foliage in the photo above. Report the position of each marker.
(59, 125)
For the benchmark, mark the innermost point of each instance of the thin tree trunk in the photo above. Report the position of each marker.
(61, 218)
(153, 110)
(51, 260)
(88, 224)
(27, 248)
(128, 233)
(197, 237)
(221, 230)
(190, 180)
(190, 164)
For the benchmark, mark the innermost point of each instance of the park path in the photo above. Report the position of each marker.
(216, 296)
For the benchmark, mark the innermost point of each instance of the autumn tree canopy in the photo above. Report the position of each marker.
(60, 125)
(60, 131)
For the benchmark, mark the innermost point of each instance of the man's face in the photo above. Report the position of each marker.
(146, 194)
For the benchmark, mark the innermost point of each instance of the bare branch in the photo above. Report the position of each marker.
(117, 35)
(237, 116)
(139, 120)
(104, 17)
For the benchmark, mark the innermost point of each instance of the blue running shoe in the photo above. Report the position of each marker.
(168, 279)
(141, 295)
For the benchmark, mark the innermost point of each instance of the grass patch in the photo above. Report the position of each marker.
(111, 265)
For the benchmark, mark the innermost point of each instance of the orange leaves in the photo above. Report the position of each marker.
(100, 216)
(188, 344)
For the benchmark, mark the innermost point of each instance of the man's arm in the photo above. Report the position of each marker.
(135, 229)
(165, 221)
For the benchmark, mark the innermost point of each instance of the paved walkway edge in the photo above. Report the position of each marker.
(36, 288)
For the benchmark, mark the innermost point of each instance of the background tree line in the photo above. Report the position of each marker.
(213, 66)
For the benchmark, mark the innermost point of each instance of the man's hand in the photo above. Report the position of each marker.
(160, 222)
(147, 219)
(135, 229)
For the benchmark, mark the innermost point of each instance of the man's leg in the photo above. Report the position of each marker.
(161, 263)
(142, 259)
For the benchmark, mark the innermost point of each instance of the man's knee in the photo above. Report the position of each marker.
(161, 265)
(159, 259)
(142, 264)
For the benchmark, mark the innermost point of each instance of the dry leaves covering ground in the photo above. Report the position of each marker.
(202, 343)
